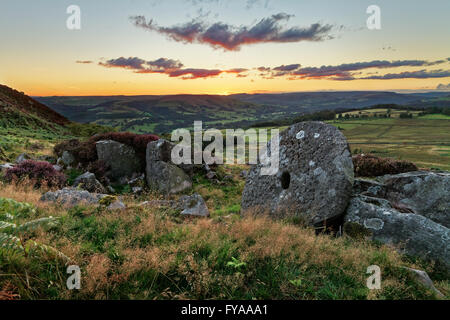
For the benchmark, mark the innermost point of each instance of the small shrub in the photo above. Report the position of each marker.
(83, 151)
(372, 166)
(40, 172)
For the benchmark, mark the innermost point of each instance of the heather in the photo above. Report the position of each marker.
(39, 173)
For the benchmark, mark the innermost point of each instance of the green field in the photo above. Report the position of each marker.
(422, 140)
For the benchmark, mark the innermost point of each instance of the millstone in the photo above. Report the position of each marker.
(314, 180)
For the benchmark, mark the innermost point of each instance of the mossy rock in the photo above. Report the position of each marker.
(356, 231)
(106, 201)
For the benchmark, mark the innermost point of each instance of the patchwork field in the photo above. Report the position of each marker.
(422, 140)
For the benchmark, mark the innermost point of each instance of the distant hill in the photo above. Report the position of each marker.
(162, 114)
(159, 114)
(317, 101)
(18, 109)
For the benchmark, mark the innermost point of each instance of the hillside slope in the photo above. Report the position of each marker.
(162, 114)
(159, 114)
(25, 122)
(15, 102)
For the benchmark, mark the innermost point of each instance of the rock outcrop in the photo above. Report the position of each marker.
(412, 233)
(72, 197)
(193, 205)
(22, 157)
(422, 192)
(89, 182)
(67, 159)
(121, 159)
(314, 180)
(162, 175)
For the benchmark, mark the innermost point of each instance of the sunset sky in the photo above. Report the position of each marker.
(133, 47)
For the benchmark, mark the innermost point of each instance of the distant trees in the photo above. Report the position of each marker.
(406, 115)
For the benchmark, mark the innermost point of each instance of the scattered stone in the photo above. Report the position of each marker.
(117, 205)
(314, 180)
(228, 177)
(6, 166)
(413, 234)
(193, 205)
(162, 175)
(22, 157)
(244, 174)
(120, 158)
(67, 159)
(211, 175)
(137, 190)
(57, 167)
(423, 278)
(110, 189)
(138, 181)
(72, 197)
(88, 181)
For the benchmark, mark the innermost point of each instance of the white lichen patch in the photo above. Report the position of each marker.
(312, 163)
(374, 224)
(300, 135)
(316, 135)
(318, 171)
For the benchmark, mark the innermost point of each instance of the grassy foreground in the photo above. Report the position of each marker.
(148, 253)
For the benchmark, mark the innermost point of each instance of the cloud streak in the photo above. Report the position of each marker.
(231, 38)
(343, 72)
(352, 71)
(170, 67)
(421, 74)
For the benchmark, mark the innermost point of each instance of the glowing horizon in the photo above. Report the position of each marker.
(309, 46)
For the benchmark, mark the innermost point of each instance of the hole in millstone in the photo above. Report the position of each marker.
(285, 180)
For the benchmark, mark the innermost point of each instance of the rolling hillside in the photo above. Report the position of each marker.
(162, 114)
(27, 123)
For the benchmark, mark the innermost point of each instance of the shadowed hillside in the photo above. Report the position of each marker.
(14, 103)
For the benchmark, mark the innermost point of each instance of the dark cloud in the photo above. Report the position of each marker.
(84, 61)
(421, 74)
(133, 63)
(342, 72)
(289, 67)
(229, 37)
(161, 65)
(170, 67)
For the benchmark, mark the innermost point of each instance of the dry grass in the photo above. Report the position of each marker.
(149, 253)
